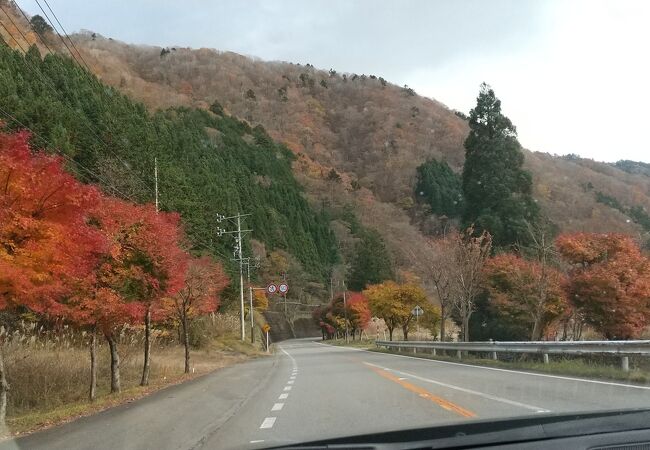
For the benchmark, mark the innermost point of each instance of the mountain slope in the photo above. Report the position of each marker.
(358, 139)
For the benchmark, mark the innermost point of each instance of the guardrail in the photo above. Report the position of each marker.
(623, 348)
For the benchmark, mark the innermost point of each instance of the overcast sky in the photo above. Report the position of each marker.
(572, 75)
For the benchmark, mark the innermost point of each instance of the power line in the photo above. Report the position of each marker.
(9, 32)
(35, 32)
(66, 34)
(94, 131)
(66, 157)
(57, 32)
(102, 143)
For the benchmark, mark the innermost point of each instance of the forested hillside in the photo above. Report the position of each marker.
(207, 163)
(358, 139)
(374, 134)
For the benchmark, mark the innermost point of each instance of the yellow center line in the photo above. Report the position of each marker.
(423, 393)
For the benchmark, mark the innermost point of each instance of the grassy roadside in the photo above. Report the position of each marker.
(560, 366)
(167, 371)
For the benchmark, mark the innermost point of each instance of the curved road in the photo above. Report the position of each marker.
(310, 391)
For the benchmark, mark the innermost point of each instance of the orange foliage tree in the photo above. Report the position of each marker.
(525, 291)
(358, 312)
(204, 280)
(46, 247)
(609, 282)
(139, 269)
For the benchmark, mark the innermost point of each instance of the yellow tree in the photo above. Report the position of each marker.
(393, 302)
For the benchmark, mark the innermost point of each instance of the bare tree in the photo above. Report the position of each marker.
(437, 263)
(470, 254)
(544, 250)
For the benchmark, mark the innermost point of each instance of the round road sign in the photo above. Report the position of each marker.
(271, 288)
(283, 288)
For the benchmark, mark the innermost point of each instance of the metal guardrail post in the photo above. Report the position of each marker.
(459, 353)
(625, 363)
(494, 356)
(545, 358)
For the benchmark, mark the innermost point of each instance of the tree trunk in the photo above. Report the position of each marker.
(390, 332)
(4, 388)
(147, 348)
(442, 324)
(93, 366)
(186, 339)
(537, 330)
(466, 328)
(405, 331)
(115, 365)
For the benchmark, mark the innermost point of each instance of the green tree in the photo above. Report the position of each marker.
(371, 262)
(440, 187)
(39, 25)
(497, 190)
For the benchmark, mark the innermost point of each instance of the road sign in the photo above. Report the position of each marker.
(417, 311)
(266, 328)
(283, 288)
(271, 288)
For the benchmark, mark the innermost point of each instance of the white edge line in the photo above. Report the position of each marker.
(467, 391)
(257, 441)
(533, 374)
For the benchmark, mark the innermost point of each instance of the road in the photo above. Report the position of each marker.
(309, 391)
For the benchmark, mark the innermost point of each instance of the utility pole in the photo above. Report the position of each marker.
(241, 277)
(345, 311)
(239, 257)
(250, 294)
(155, 175)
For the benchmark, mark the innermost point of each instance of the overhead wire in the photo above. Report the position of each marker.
(48, 82)
(66, 157)
(66, 35)
(91, 128)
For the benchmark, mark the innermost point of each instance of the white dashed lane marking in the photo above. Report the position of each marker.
(277, 406)
(268, 423)
(287, 388)
(283, 396)
(290, 382)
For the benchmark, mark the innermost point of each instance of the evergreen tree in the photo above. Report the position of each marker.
(371, 262)
(40, 25)
(207, 163)
(496, 189)
(440, 187)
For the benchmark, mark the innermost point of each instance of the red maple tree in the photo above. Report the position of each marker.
(609, 282)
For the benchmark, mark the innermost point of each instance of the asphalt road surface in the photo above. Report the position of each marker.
(309, 391)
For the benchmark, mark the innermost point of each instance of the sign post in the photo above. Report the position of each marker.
(417, 312)
(266, 328)
(283, 288)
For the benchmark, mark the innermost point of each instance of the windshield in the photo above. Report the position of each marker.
(243, 225)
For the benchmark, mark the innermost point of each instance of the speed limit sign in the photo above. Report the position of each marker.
(283, 288)
(271, 288)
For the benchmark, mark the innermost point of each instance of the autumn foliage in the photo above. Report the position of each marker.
(393, 302)
(332, 317)
(609, 282)
(46, 247)
(69, 253)
(525, 291)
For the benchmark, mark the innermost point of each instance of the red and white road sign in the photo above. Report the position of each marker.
(283, 288)
(271, 288)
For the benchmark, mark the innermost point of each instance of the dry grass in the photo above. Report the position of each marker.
(49, 372)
